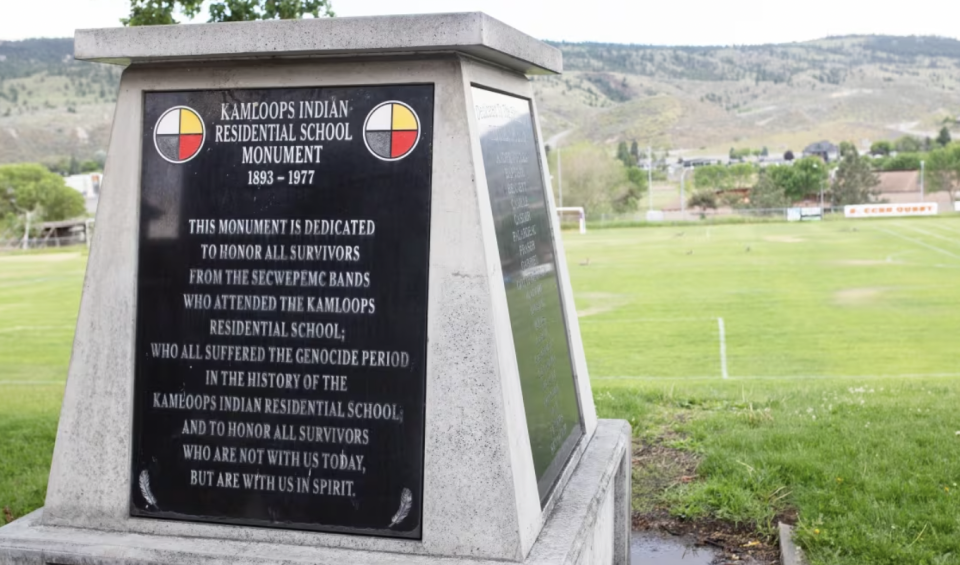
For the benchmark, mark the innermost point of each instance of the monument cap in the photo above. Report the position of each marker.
(472, 33)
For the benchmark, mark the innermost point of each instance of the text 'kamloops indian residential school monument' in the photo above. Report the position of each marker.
(327, 317)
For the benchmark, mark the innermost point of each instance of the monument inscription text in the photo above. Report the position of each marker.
(281, 308)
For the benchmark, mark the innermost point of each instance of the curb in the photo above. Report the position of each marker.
(790, 554)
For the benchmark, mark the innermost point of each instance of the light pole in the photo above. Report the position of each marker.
(650, 177)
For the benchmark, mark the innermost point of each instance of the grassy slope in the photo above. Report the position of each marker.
(39, 298)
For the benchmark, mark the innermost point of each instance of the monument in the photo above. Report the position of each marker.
(327, 317)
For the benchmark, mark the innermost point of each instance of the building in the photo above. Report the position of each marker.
(88, 185)
(823, 149)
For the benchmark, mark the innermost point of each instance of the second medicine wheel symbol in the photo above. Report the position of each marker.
(391, 131)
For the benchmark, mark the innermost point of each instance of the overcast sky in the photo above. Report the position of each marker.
(677, 22)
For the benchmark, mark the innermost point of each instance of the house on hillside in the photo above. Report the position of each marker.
(823, 149)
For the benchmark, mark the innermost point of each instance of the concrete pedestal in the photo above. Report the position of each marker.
(590, 525)
(480, 492)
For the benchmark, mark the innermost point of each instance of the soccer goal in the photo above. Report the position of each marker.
(577, 211)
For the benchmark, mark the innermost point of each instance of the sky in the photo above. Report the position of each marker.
(677, 22)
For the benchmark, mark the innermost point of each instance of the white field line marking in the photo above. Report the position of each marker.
(723, 349)
(918, 242)
(931, 234)
(785, 377)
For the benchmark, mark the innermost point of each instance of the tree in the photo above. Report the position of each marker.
(703, 199)
(766, 194)
(881, 148)
(943, 138)
(741, 174)
(855, 182)
(623, 154)
(161, 12)
(908, 144)
(635, 151)
(808, 177)
(847, 148)
(788, 156)
(32, 189)
(592, 178)
(944, 170)
(764, 152)
(716, 177)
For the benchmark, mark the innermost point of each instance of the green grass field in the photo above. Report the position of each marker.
(841, 345)
(841, 352)
(39, 299)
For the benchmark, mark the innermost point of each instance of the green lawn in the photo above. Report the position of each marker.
(841, 343)
(39, 299)
(841, 401)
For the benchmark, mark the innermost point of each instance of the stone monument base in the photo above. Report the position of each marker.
(588, 525)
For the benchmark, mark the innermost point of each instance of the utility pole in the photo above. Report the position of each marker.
(921, 181)
(650, 176)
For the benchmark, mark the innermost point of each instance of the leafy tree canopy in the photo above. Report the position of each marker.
(703, 199)
(855, 183)
(809, 174)
(766, 194)
(944, 170)
(881, 148)
(596, 180)
(716, 177)
(161, 12)
(32, 188)
(943, 138)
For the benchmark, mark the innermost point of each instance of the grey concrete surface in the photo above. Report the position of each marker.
(790, 554)
(473, 33)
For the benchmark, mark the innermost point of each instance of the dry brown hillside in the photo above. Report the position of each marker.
(708, 99)
(695, 99)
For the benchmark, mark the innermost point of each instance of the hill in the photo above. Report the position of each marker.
(694, 100)
(51, 106)
(707, 99)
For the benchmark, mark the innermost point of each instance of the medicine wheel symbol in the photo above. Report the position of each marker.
(391, 131)
(179, 134)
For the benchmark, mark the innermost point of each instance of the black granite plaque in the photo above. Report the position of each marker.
(282, 308)
(528, 258)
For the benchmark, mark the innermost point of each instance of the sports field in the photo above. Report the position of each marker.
(841, 343)
(39, 299)
(841, 347)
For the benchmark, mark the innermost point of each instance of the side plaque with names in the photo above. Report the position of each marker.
(282, 308)
(527, 257)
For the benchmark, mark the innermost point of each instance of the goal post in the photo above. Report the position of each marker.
(571, 211)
